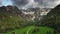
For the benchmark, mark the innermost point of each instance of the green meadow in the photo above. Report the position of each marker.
(30, 30)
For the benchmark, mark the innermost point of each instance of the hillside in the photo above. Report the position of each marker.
(52, 19)
(9, 19)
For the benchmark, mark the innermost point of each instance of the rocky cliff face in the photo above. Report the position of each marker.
(31, 12)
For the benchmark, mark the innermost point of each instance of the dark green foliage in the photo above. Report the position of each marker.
(13, 32)
(35, 30)
(48, 32)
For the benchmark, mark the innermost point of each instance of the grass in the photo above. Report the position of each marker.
(42, 30)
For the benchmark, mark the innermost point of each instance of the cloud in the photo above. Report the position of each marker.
(58, 2)
(35, 3)
(24, 4)
(47, 3)
(19, 3)
(0, 2)
(31, 4)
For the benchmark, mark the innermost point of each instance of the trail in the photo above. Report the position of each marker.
(29, 30)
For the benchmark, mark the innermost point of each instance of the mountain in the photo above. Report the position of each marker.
(13, 10)
(52, 19)
(9, 19)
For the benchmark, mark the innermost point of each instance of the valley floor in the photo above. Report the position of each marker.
(34, 30)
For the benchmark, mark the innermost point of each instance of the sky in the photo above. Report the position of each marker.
(24, 4)
(6, 2)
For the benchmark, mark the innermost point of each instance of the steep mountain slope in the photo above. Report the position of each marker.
(9, 19)
(52, 19)
(10, 10)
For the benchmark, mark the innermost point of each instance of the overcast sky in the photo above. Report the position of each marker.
(24, 4)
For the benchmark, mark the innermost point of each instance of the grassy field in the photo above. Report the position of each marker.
(30, 29)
